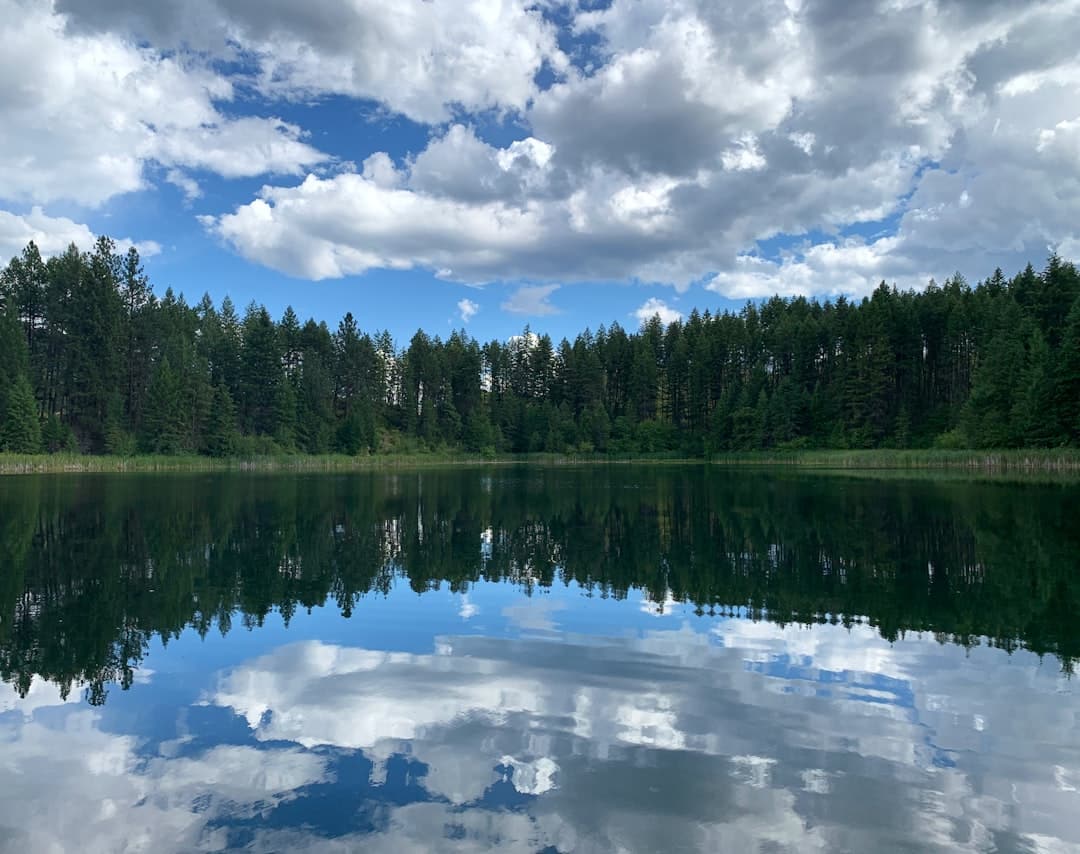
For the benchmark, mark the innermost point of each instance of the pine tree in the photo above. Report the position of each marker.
(95, 349)
(163, 416)
(57, 436)
(315, 414)
(220, 437)
(21, 431)
(988, 418)
(357, 431)
(1067, 381)
(137, 297)
(261, 373)
(285, 414)
(1034, 416)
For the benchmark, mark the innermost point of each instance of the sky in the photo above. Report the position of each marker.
(488, 164)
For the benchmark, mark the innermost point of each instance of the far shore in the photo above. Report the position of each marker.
(1014, 461)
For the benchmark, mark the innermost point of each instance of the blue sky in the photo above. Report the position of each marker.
(494, 163)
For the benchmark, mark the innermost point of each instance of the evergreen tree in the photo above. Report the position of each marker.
(107, 361)
(95, 346)
(285, 414)
(163, 424)
(994, 416)
(20, 432)
(57, 436)
(220, 437)
(1067, 381)
(1034, 415)
(137, 297)
(315, 414)
(261, 374)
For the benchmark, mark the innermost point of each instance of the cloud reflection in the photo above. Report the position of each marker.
(747, 736)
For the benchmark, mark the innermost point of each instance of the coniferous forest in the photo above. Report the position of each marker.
(92, 360)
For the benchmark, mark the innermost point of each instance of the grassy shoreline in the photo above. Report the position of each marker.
(1011, 460)
(1066, 460)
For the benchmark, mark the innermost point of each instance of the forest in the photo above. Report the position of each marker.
(93, 361)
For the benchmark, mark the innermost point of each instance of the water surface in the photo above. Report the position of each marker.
(538, 660)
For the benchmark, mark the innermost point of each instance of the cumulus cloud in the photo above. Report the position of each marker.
(828, 117)
(532, 300)
(347, 224)
(467, 309)
(459, 165)
(54, 234)
(86, 114)
(422, 59)
(656, 307)
(918, 137)
(851, 266)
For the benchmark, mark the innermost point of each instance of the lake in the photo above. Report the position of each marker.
(524, 659)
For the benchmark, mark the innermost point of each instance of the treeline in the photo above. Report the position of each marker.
(92, 360)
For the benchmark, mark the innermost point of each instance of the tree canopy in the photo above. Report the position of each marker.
(101, 363)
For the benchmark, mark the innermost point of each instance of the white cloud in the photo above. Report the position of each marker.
(85, 114)
(467, 309)
(696, 129)
(745, 156)
(532, 300)
(654, 306)
(423, 59)
(347, 224)
(951, 121)
(186, 184)
(53, 235)
(460, 166)
(237, 148)
(848, 267)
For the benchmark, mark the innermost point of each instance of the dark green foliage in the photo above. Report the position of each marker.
(108, 363)
(20, 432)
(164, 417)
(357, 431)
(1067, 381)
(220, 437)
(20, 429)
(95, 346)
(57, 436)
(315, 411)
(260, 374)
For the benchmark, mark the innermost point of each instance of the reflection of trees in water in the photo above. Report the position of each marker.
(93, 568)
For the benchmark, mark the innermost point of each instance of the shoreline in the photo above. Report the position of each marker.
(972, 462)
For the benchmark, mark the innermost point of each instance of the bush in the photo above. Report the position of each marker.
(951, 440)
(58, 437)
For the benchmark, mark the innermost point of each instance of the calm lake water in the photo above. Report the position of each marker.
(627, 659)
